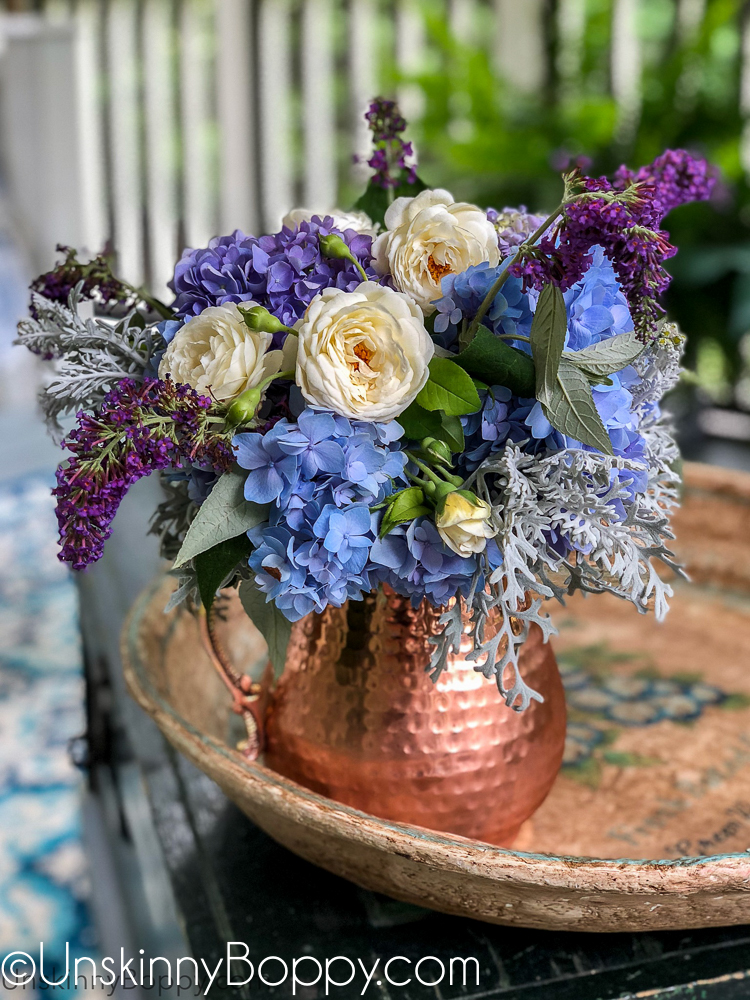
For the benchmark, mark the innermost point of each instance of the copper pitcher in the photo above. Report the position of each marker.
(356, 718)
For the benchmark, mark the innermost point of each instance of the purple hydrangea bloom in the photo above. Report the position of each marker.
(514, 225)
(282, 272)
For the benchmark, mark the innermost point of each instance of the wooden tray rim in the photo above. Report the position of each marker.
(275, 792)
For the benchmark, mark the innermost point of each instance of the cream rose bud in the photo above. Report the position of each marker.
(218, 355)
(360, 222)
(363, 354)
(464, 525)
(428, 237)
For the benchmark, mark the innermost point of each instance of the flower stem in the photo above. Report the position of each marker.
(425, 468)
(498, 284)
(513, 336)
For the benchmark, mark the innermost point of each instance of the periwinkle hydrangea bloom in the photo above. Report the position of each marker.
(321, 475)
(463, 294)
(514, 226)
(282, 272)
(597, 310)
(414, 560)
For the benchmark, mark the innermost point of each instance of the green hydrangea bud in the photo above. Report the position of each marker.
(258, 318)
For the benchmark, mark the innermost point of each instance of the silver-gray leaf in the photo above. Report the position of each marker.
(608, 356)
(547, 338)
(269, 621)
(224, 514)
(572, 410)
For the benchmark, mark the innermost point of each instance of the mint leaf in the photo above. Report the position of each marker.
(608, 356)
(451, 431)
(449, 389)
(571, 409)
(404, 506)
(548, 329)
(224, 514)
(214, 566)
(376, 199)
(497, 363)
(269, 621)
(419, 423)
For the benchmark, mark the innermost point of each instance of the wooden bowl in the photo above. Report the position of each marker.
(658, 762)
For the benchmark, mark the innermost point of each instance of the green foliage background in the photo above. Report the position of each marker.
(490, 144)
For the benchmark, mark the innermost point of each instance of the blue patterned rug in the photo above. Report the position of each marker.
(43, 876)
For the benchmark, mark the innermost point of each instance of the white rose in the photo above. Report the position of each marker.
(360, 222)
(464, 525)
(363, 354)
(218, 355)
(428, 237)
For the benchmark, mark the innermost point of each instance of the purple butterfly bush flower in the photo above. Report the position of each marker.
(391, 156)
(282, 272)
(624, 218)
(138, 429)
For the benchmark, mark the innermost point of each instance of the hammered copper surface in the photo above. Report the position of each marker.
(356, 718)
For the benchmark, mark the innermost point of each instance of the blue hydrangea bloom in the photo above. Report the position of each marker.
(282, 272)
(415, 561)
(321, 475)
(463, 294)
(597, 310)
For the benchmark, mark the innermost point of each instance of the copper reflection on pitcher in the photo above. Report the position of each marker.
(356, 717)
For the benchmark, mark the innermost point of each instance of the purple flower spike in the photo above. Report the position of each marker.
(137, 430)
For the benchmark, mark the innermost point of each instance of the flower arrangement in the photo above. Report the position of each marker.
(461, 404)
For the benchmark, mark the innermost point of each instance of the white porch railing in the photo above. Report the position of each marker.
(158, 123)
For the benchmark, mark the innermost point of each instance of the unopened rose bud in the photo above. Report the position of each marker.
(463, 523)
(243, 409)
(258, 318)
(438, 450)
(333, 247)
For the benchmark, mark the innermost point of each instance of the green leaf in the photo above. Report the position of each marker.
(376, 199)
(571, 409)
(404, 506)
(419, 423)
(548, 329)
(449, 389)
(269, 621)
(497, 363)
(224, 514)
(451, 431)
(214, 566)
(608, 356)
(374, 202)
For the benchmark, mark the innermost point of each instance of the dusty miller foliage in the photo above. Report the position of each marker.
(91, 354)
(532, 498)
